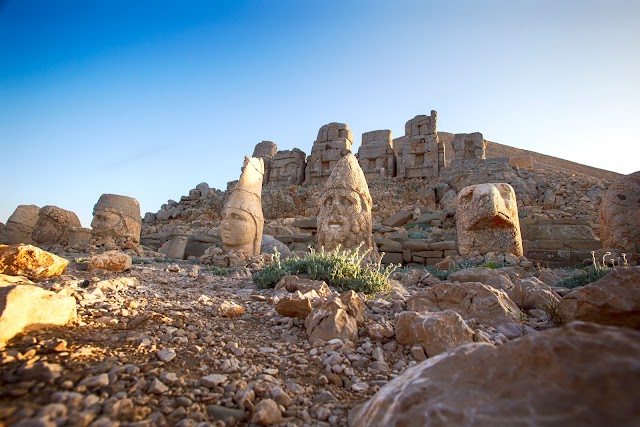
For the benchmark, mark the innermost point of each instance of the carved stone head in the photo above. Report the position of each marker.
(620, 214)
(242, 218)
(345, 208)
(487, 220)
(116, 220)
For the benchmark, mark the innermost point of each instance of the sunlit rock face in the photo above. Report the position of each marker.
(345, 208)
(116, 222)
(620, 214)
(242, 218)
(20, 225)
(487, 220)
(53, 225)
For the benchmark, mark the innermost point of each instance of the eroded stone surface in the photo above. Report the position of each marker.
(53, 225)
(472, 300)
(114, 261)
(30, 261)
(242, 219)
(175, 247)
(116, 222)
(436, 332)
(420, 153)
(332, 144)
(345, 209)
(331, 321)
(612, 300)
(20, 225)
(288, 168)
(376, 156)
(24, 305)
(620, 214)
(555, 382)
(487, 220)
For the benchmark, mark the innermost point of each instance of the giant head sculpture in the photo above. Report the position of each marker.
(345, 208)
(116, 220)
(242, 218)
(487, 220)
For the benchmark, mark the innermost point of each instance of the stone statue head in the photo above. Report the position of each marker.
(116, 219)
(487, 219)
(242, 218)
(345, 208)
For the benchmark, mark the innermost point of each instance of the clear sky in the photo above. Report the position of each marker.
(149, 98)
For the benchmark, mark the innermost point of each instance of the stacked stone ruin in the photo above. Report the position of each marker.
(417, 154)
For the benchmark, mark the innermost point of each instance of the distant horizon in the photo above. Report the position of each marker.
(147, 100)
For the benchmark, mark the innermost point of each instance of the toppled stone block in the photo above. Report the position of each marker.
(175, 247)
(30, 261)
(330, 321)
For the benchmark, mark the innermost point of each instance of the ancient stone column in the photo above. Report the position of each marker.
(287, 168)
(333, 143)
(420, 153)
(487, 220)
(345, 208)
(376, 155)
(266, 150)
(242, 218)
(620, 214)
(116, 222)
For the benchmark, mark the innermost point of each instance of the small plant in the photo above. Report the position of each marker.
(551, 308)
(594, 272)
(81, 259)
(491, 264)
(140, 261)
(343, 269)
(165, 259)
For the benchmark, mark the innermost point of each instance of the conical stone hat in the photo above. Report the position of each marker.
(247, 196)
(348, 174)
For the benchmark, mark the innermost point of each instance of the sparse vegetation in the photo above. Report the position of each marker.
(220, 271)
(166, 259)
(343, 269)
(593, 272)
(140, 261)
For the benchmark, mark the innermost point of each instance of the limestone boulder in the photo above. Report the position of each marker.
(175, 247)
(581, 374)
(295, 305)
(116, 221)
(294, 283)
(24, 305)
(331, 320)
(436, 332)
(229, 309)
(472, 300)
(270, 245)
(30, 261)
(531, 292)
(354, 305)
(114, 261)
(79, 237)
(612, 300)
(53, 225)
(487, 220)
(620, 214)
(495, 278)
(20, 225)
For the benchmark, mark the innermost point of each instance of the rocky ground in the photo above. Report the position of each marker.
(152, 347)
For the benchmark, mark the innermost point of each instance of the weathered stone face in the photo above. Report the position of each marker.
(20, 225)
(345, 208)
(116, 220)
(487, 220)
(53, 225)
(242, 218)
(620, 214)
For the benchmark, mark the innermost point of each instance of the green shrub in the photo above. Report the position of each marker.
(343, 269)
(588, 275)
(491, 264)
(165, 259)
(140, 261)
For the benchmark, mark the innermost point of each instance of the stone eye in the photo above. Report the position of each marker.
(344, 201)
(328, 201)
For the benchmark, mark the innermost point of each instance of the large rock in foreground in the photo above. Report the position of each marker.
(31, 262)
(581, 374)
(24, 305)
(612, 300)
(436, 332)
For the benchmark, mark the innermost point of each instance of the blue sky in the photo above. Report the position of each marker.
(149, 98)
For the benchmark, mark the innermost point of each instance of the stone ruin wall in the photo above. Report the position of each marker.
(558, 211)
